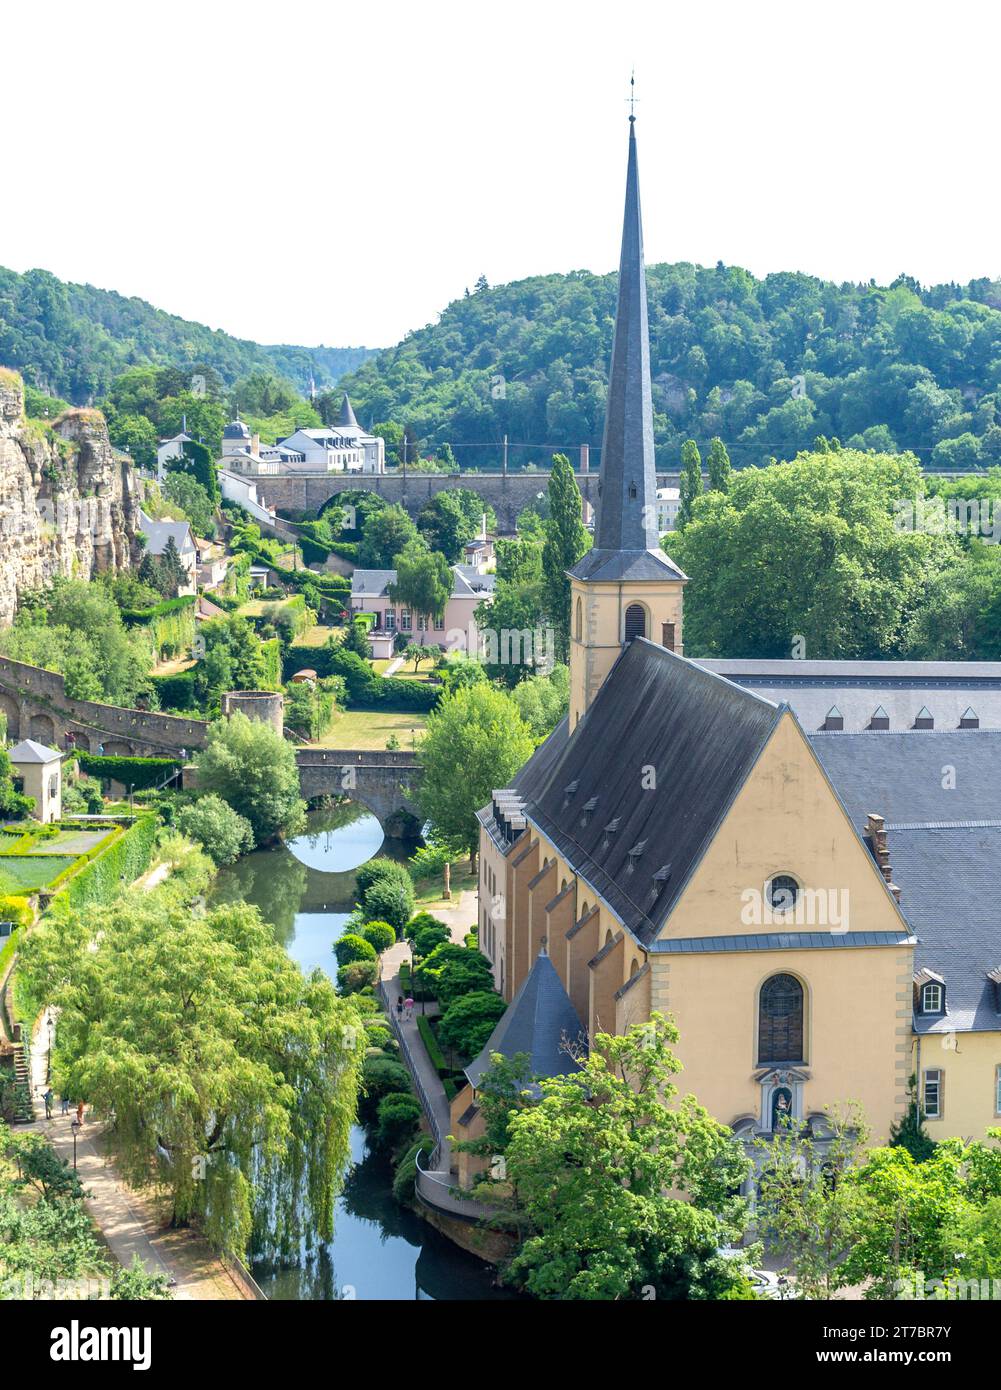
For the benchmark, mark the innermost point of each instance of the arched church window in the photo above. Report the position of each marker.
(579, 621)
(783, 891)
(635, 621)
(780, 1020)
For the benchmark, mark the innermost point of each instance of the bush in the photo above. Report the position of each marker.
(222, 832)
(399, 1115)
(451, 971)
(428, 939)
(377, 869)
(137, 773)
(177, 691)
(117, 863)
(380, 935)
(432, 1045)
(380, 1076)
(389, 902)
(405, 1173)
(356, 976)
(428, 861)
(469, 1021)
(350, 947)
(422, 920)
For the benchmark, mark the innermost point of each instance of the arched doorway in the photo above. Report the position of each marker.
(42, 730)
(10, 709)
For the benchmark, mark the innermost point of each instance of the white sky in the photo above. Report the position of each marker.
(306, 173)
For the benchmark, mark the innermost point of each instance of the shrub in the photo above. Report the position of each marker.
(405, 1173)
(432, 1044)
(390, 902)
(399, 1115)
(469, 1021)
(380, 1076)
(428, 861)
(138, 773)
(420, 921)
(358, 975)
(429, 938)
(379, 935)
(222, 832)
(451, 971)
(350, 948)
(116, 863)
(377, 869)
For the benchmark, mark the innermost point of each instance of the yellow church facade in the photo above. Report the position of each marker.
(682, 845)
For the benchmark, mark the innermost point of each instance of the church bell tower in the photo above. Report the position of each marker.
(625, 587)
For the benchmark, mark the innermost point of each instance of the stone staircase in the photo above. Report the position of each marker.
(24, 1110)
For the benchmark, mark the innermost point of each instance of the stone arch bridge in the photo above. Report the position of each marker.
(35, 704)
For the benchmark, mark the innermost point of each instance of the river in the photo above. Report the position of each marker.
(380, 1250)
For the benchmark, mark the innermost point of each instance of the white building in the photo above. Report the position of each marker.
(668, 503)
(169, 449)
(340, 448)
(39, 771)
(158, 533)
(242, 453)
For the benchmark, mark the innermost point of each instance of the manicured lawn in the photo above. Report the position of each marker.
(357, 728)
(74, 841)
(28, 872)
(317, 635)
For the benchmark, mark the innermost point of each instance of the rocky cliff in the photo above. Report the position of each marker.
(69, 505)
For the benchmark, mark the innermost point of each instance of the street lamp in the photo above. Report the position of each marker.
(75, 1126)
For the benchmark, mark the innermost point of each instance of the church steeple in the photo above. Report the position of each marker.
(625, 586)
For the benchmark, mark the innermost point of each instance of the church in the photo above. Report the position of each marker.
(808, 899)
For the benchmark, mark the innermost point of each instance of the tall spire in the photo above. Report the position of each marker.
(626, 537)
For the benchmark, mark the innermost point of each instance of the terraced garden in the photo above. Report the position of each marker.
(34, 858)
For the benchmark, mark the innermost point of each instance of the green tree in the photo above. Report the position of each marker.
(221, 831)
(385, 534)
(190, 499)
(719, 465)
(251, 767)
(543, 700)
(592, 1170)
(469, 1021)
(423, 582)
(566, 541)
(691, 481)
(232, 1079)
(480, 731)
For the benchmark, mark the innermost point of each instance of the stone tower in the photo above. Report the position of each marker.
(625, 587)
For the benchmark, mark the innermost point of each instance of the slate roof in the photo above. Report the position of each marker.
(236, 429)
(28, 751)
(699, 733)
(598, 565)
(778, 941)
(860, 688)
(944, 844)
(539, 1020)
(375, 583)
(369, 582)
(346, 419)
(158, 533)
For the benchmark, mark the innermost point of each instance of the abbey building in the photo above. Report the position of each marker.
(810, 899)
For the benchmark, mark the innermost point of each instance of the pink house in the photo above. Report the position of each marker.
(370, 594)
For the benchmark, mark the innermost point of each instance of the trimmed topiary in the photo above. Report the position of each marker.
(379, 935)
(350, 947)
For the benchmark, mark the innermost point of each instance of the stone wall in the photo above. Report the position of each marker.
(508, 494)
(69, 503)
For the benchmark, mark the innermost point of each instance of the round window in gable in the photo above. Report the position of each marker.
(783, 892)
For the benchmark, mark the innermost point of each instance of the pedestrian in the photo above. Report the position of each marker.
(408, 1004)
(48, 1103)
(399, 1006)
(79, 1112)
(65, 1104)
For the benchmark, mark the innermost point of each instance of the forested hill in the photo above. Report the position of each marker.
(73, 340)
(767, 364)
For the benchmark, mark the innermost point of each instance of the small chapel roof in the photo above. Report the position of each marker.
(539, 1021)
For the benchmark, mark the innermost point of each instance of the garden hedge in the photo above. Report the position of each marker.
(106, 868)
(138, 773)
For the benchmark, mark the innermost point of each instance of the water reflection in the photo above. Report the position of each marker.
(380, 1250)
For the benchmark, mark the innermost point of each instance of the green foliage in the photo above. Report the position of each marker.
(450, 971)
(205, 1041)
(691, 481)
(96, 878)
(718, 466)
(519, 601)
(543, 700)
(469, 1021)
(909, 1131)
(137, 773)
(357, 975)
(450, 519)
(405, 1173)
(399, 1115)
(389, 900)
(380, 935)
(251, 767)
(621, 1185)
(351, 947)
(566, 541)
(432, 1045)
(222, 832)
(309, 708)
(376, 871)
(379, 1077)
(76, 628)
(480, 730)
(385, 533)
(192, 500)
(423, 584)
(364, 689)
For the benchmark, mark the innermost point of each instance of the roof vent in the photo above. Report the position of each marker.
(633, 857)
(660, 879)
(588, 809)
(969, 719)
(925, 719)
(880, 719)
(570, 790)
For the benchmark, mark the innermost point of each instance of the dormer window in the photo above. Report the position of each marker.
(880, 719)
(632, 491)
(834, 720)
(969, 719)
(932, 998)
(925, 719)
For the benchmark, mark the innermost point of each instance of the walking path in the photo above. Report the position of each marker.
(129, 1221)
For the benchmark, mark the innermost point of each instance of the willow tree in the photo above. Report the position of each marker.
(232, 1079)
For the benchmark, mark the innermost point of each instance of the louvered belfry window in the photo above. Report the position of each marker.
(780, 1020)
(635, 622)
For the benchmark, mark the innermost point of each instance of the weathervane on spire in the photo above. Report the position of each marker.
(632, 95)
